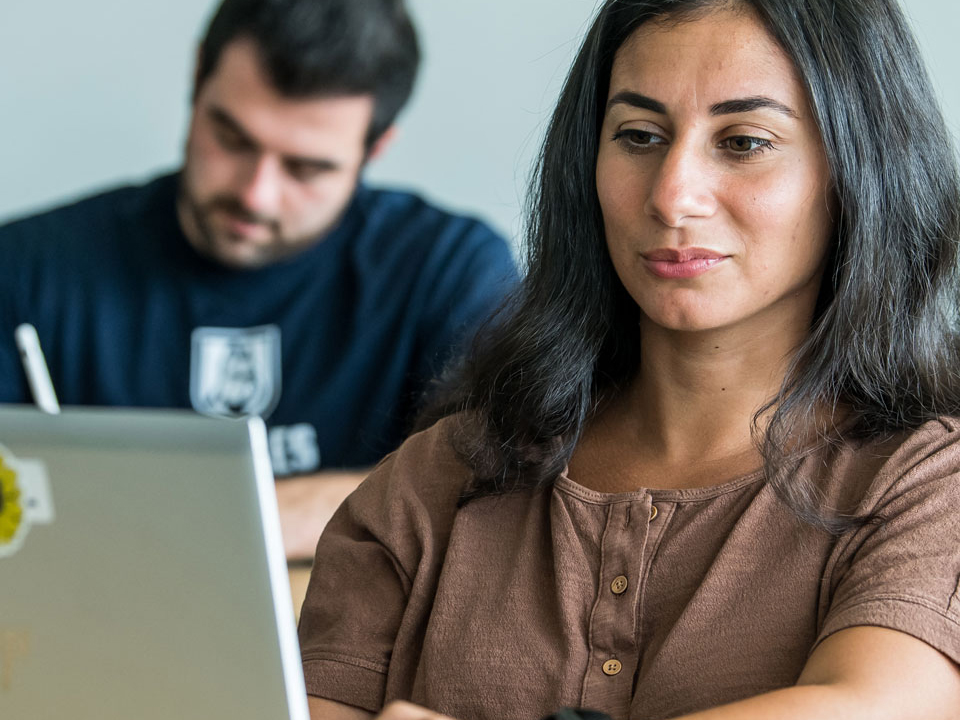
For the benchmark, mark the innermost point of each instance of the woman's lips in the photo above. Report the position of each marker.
(675, 264)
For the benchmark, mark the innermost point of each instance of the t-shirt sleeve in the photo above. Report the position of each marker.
(12, 381)
(475, 272)
(375, 571)
(13, 385)
(902, 572)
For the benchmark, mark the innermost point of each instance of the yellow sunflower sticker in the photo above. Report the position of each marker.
(11, 512)
(25, 500)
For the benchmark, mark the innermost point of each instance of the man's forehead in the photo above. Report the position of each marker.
(240, 89)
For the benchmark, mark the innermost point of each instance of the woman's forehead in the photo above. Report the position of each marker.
(717, 55)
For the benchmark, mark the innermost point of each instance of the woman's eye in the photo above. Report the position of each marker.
(637, 139)
(747, 146)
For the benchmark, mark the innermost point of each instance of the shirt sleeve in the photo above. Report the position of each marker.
(375, 571)
(472, 273)
(13, 384)
(902, 572)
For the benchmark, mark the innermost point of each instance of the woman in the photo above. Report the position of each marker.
(706, 469)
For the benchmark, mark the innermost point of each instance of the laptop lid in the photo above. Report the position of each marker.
(141, 569)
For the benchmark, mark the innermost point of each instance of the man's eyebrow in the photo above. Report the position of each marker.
(318, 164)
(727, 107)
(221, 116)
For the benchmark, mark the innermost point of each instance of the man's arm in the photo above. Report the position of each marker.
(321, 709)
(307, 503)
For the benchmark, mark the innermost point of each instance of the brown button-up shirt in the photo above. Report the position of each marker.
(646, 605)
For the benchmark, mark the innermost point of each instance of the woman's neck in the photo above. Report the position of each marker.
(687, 417)
(697, 393)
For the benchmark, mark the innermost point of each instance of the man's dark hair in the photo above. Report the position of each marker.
(323, 48)
(883, 343)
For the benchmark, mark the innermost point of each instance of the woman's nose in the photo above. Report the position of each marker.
(682, 187)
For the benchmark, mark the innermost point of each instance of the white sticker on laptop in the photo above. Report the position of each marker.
(25, 500)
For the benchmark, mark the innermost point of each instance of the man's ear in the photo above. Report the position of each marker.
(382, 143)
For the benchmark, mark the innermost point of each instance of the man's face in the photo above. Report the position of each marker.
(266, 176)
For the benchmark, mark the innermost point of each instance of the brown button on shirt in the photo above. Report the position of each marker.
(619, 585)
(503, 609)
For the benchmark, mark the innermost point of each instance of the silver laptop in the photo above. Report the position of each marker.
(141, 570)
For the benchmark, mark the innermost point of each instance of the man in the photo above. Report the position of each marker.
(264, 278)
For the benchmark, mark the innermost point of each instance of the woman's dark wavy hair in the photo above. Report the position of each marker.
(883, 341)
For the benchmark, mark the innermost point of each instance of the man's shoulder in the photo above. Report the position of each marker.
(402, 235)
(88, 215)
(406, 213)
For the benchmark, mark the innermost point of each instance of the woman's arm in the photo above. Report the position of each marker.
(862, 673)
(321, 709)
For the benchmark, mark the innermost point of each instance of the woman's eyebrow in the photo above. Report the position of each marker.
(634, 99)
(727, 107)
(742, 105)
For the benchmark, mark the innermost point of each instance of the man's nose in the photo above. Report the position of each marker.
(260, 186)
(682, 186)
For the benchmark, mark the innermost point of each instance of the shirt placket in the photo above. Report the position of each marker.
(613, 634)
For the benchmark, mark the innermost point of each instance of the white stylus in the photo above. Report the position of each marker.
(35, 366)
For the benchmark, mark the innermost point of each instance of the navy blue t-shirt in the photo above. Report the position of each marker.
(332, 347)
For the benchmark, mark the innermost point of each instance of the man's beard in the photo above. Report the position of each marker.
(203, 223)
(234, 208)
(198, 224)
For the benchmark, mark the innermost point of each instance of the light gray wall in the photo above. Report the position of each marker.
(93, 93)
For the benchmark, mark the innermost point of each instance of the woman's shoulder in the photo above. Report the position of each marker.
(433, 454)
(911, 462)
(426, 472)
(935, 443)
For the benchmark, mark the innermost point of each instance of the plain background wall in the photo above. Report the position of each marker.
(97, 93)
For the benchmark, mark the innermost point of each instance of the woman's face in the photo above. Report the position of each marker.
(711, 176)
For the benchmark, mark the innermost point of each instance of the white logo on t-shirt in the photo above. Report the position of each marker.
(294, 449)
(235, 372)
